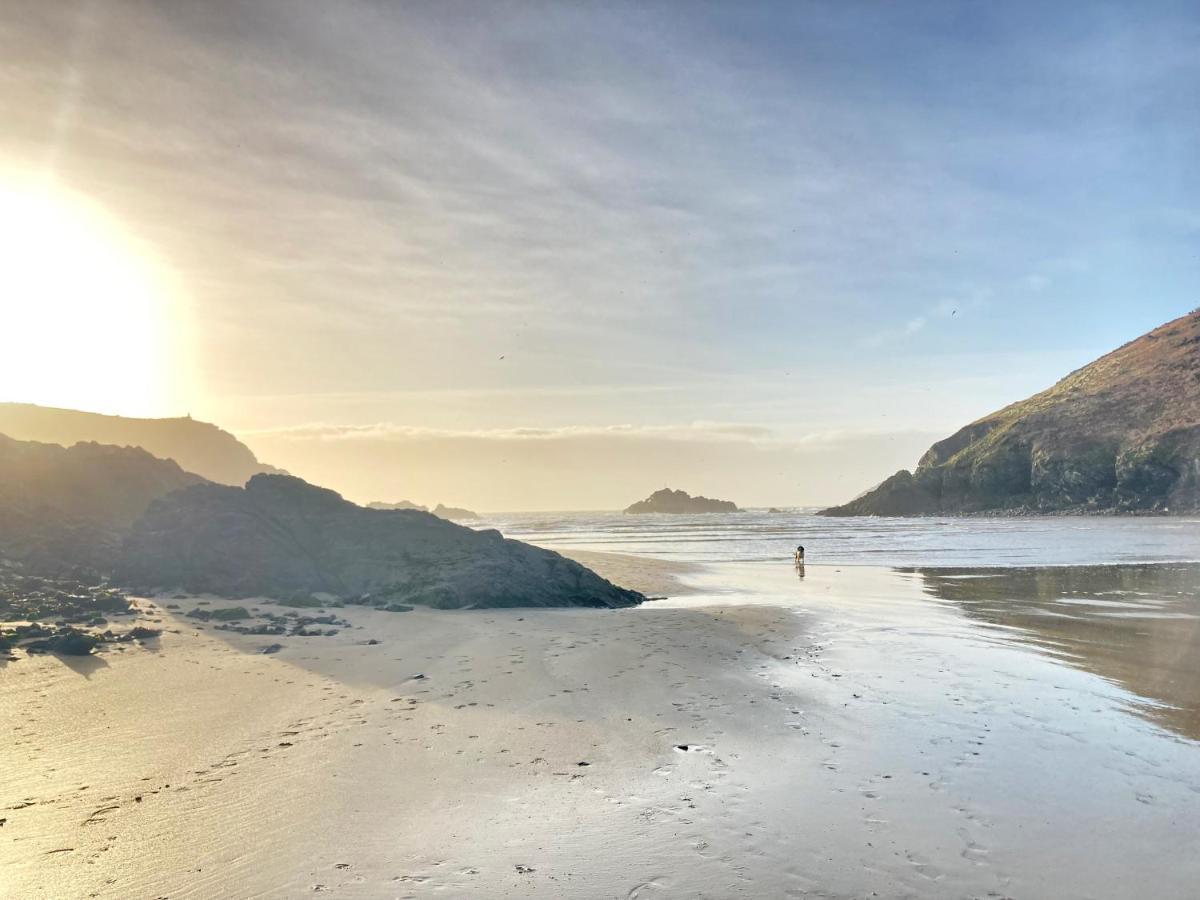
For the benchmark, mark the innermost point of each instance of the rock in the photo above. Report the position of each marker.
(230, 613)
(302, 601)
(679, 503)
(270, 648)
(68, 642)
(137, 633)
(263, 629)
(1122, 434)
(280, 536)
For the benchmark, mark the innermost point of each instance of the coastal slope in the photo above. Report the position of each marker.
(66, 507)
(197, 446)
(280, 536)
(1122, 434)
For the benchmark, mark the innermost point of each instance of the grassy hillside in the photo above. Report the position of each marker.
(1120, 434)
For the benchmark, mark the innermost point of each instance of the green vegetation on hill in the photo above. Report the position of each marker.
(1122, 434)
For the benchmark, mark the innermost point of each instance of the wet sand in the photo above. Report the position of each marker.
(652, 577)
(860, 732)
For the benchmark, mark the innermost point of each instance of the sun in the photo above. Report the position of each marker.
(88, 318)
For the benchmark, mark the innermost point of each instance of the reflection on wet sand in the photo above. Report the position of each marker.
(1135, 626)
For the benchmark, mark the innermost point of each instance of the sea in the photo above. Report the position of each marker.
(760, 536)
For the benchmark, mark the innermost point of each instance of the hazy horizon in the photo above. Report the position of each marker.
(568, 254)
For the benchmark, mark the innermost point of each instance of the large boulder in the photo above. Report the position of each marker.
(280, 536)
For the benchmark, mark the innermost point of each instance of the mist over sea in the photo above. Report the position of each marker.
(759, 536)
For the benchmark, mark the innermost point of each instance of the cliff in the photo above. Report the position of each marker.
(279, 536)
(198, 447)
(1122, 434)
(680, 502)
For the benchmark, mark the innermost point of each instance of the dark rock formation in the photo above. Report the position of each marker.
(280, 536)
(67, 641)
(198, 447)
(1121, 434)
(399, 504)
(225, 614)
(65, 508)
(27, 598)
(680, 502)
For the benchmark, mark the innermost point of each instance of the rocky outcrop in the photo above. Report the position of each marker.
(680, 502)
(197, 446)
(1121, 434)
(399, 504)
(280, 536)
(62, 508)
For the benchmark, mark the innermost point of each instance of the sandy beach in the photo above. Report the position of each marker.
(860, 741)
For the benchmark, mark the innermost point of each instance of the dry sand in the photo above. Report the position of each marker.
(832, 750)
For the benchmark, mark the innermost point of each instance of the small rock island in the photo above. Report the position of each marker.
(680, 503)
(441, 511)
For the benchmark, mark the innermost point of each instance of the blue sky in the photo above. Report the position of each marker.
(815, 219)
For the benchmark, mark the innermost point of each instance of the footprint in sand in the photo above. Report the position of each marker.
(656, 885)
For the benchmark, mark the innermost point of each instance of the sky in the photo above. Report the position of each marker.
(524, 255)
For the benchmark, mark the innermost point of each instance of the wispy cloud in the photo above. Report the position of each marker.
(695, 431)
(944, 309)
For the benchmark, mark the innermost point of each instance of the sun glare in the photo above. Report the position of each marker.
(88, 320)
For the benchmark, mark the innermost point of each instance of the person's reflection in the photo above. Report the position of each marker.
(799, 569)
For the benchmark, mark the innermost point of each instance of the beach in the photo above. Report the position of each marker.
(868, 738)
